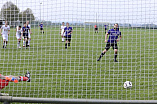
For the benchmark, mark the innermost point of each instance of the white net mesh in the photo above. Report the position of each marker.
(74, 72)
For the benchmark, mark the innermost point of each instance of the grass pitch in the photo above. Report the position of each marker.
(75, 73)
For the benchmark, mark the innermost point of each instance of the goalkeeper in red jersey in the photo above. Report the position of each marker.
(4, 80)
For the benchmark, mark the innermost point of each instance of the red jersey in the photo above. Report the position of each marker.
(95, 26)
(3, 83)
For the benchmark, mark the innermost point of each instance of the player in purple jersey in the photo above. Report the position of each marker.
(25, 32)
(41, 28)
(112, 41)
(68, 31)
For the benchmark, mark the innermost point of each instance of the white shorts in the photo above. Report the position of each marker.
(29, 35)
(18, 36)
(62, 34)
(5, 37)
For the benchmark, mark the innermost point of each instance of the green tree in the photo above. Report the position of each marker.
(26, 15)
(10, 11)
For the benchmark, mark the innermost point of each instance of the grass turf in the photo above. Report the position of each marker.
(75, 73)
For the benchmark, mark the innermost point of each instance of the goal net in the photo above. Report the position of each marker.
(74, 72)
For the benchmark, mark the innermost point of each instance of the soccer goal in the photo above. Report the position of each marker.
(78, 51)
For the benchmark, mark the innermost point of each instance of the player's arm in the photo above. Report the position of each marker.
(10, 78)
(1, 30)
(60, 30)
(15, 31)
(71, 31)
(30, 31)
(106, 37)
(64, 31)
(8, 32)
(120, 37)
(22, 32)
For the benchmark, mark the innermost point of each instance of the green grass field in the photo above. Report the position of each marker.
(75, 73)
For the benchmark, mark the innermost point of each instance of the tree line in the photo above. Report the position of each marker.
(12, 14)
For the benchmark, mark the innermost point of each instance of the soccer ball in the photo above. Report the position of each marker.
(127, 84)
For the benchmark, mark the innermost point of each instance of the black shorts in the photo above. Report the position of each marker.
(96, 28)
(41, 28)
(25, 36)
(68, 38)
(108, 45)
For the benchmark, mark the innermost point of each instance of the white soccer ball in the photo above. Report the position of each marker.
(127, 84)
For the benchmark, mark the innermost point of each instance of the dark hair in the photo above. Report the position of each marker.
(19, 26)
(117, 24)
(24, 23)
(62, 22)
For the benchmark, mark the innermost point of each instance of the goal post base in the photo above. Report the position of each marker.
(9, 99)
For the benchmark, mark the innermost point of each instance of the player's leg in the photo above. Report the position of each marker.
(18, 40)
(29, 40)
(18, 44)
(115, 55)
(23, 41)
(3, 43)
(115, 47)
(6, 42)
(62, 37)
(26, 39)
(69, 40)
(66, 38)
(108, 45)
(43, 30)
(95, 30)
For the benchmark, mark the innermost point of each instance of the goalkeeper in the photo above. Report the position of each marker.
(4, 80)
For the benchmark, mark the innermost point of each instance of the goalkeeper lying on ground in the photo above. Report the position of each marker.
(4, 80)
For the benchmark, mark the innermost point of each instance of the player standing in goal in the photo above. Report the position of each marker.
(5, 33)
(68, 31)
(4, 80)
(112, 41)
(62, 31)
(41, 28)
(96, 28)
(25, 32)
(18, 35)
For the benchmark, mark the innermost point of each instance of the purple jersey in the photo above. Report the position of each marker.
(41, 25)
(113, 35)
(67, 31)
(105, 26)
(25, 30)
